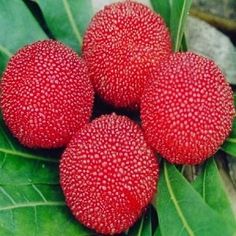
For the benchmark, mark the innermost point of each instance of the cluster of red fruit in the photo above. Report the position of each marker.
(109, 170)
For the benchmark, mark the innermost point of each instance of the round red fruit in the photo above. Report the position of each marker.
(187, 112)
(108, 174)
(124, 43)
(46, 94)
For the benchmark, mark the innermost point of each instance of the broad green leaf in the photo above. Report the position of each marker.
(157, 232)
(67, 19)
(229, 145)
(178, 15)
(174, 13)
(182, 211)
(38, 167)
(209, 184)
(18, 28)
(31, 201)
(163, 8)
(144, 226)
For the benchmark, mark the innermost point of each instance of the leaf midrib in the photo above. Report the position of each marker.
(5, 51)
(72, 22)
(28, 156)
(140, 227)
(231, 140)
(179, 27)
(173, 198)
(32, 204)
(29, 184)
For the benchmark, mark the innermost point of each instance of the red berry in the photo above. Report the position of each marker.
(124, 42)
(46, 95)
(108, 174)
(187, 112)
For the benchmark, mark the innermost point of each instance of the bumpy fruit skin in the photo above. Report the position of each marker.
(46, 94)
(124, 42)
(108, 174)
(188, 111)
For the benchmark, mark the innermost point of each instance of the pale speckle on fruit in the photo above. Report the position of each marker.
(108, 182)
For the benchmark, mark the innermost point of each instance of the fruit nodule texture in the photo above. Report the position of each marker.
(188, 111)
(46, 95)
(123, 44)
(108, 174)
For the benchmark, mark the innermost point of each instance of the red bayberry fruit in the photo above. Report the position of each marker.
(187, 112)
(123, 44)
(46, 94)
(108, 174)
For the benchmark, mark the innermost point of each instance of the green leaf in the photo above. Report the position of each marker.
(18, 28)
(157, 232)
(182, 211)
(163, 8)
(184, 46)
(67, 19)
(144, 226)
(174, 13)
(209, 184)
(229, 145)
(31, 200)
(179, 12)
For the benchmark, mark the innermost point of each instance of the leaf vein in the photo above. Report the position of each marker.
(72, 22)
(26, 155)
(5, 51)
(231, 140)
(7, 195)
(39, 192)
(8, 140)
(32, 204)
(141, 227)
(178, 36)
(179, 212)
